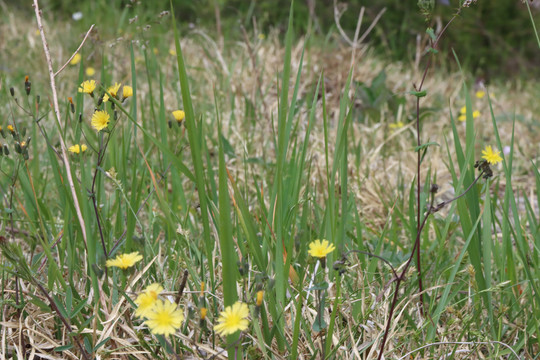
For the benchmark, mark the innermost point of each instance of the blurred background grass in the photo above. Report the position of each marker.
(493, 40)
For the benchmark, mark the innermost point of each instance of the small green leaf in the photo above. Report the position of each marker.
(418, 93)
(425, 146)
(321, 286)
(63, 348)
(431, 34)
(433, 51)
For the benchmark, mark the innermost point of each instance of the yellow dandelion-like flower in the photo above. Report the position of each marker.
(100, 120)
(88, 87)
(76, 59)
(463, 114)
(164, 318)
(124, 261)
(172, 52)
(113, 90)
(320, 248)
(480, 94)
(127, 91)
(232, 319)
(491, 156)
(76, 149)
(397, 125)
(10, 128)
(146, 301)
(90, 71)
(179, 115)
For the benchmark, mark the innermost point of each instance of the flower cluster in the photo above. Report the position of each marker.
(163, 317)
(101, 118)
(476, 113)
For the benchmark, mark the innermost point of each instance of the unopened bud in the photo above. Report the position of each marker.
(204, 311)
(27, 85)
(12, 91)
(70, 99)
(260, 296)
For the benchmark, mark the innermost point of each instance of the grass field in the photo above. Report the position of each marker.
(135, 245)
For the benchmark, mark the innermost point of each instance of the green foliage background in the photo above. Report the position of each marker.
(493, 40)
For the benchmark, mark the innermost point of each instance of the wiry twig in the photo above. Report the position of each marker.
(356, 42)
(58, 122)
(76, 51)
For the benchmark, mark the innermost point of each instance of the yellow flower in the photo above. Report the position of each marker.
(463, 112)
(491, 156)
(146, 301)
(76, 59)
(261, 36)
(320, 248)
(11, 129)
(123, 261)
(113, 90)
(127, 91)
(165, 318)
(179, 115)
(397, 125)
(480, 94)
(100, 120)
(234, 318)
(172, 52)
(90, 71)
(76, 149)
(88, 87)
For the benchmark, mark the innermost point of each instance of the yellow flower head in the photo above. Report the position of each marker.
(88, 87)
(90, 71)
(396, 125)
(123, 261)
(100, 120)
(113, 90)
(480, 94)
(164, 318)
(76, 149)
(127, 91)
(76, 59)
(463, 114)
(179, 115)
(10, 128)
(320, 248)
(232, 319)
(491, 156)
(146, 301)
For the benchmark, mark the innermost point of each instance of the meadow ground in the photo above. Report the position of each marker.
(282, 140)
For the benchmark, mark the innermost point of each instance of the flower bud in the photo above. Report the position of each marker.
(12, 91)
(27, 85)
(70, 99)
